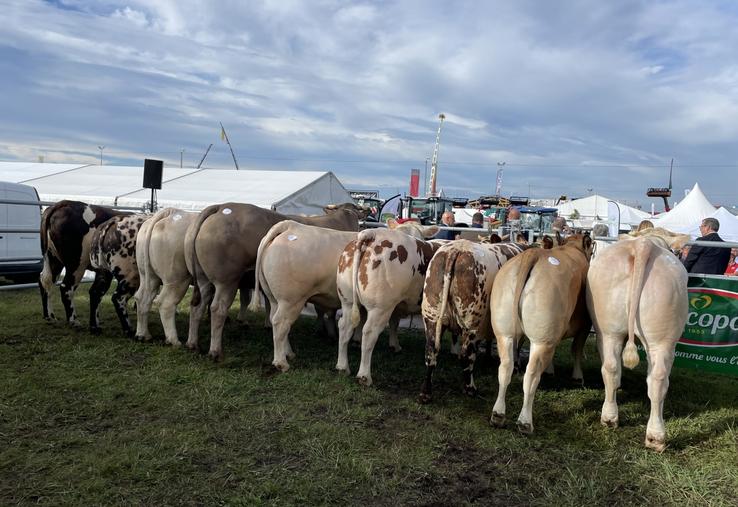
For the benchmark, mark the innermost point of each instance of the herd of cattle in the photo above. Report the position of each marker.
(476, 290)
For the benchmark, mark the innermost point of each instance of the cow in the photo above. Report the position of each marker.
(637, 287)
(113, 254)
(221, 247)
(66, 232)
(539, 294)
(456, 297)
(161, 263)
(296, 265)
(382, 270)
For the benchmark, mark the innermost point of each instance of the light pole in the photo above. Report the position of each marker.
(101, 148)
(498, 187)
(425, 175)
(181, 157)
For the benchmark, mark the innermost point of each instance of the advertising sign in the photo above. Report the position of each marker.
(710, 338)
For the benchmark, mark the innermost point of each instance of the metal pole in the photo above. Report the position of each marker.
(205, 155)
(222, 129)
(181, 157)
(101, 148)
(425, 176)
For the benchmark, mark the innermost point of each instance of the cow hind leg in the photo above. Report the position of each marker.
(540, 356)
(120, 301)
(345, 332)
(506, 351)
(99, 287)
(376, 320)
(171, 295)
(431, 360)
(577, 351)
(144, 298)
(284, 317)
(202, 296)
(52, 269)
(67, 289)
(610, 348)
(468, 357)
(659, 368)
(394, 341)
(222, 300)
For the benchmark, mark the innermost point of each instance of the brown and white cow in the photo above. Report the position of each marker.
(637, 287)
(456, 297)
(66, 234)
(221, 247)
(113, 253)
(296, 265)
(161, 263)
(539, 294)
(382, 270)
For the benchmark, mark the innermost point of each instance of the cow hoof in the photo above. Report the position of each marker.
(497, 420)
(344, 371)
(525, 428)
(217, 357)
(658, 444)
(610, 423)
(425, 398)
(75, 324)
(50, 318)
(97, 331)
(140, 338)
(364, 380)
(395, 349)
(192, 346)
(280, 368)
(470, 391)
(174, 343)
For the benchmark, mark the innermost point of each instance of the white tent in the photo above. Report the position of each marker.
(594, 209)
(687, 215)
(728, 225)
(290, 192)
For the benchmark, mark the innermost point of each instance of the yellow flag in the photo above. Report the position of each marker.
(222, 134)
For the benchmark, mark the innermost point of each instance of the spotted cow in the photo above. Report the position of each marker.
(66, 234)
(113, 254)
(382, 272)
(456, 297)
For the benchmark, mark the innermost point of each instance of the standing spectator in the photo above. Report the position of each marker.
(477, 220)
(447, 220)
(706, 259)
(732, 269)
(645, 224)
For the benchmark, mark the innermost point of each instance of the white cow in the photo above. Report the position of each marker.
(295, 265)
(161, 263)
(381, 271)
(637, 287)
(539, 294)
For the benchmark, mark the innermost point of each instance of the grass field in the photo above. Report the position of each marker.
(102, 420)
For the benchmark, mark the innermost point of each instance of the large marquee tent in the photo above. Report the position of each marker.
(291, 192)
(598, 208)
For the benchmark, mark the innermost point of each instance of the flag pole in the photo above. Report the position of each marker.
(223, 135)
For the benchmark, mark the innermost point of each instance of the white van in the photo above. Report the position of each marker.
(20, 247)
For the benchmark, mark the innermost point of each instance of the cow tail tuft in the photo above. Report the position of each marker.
(642, 251)
(276, 230)
(362, 240)
(46, 279)
(447, 275)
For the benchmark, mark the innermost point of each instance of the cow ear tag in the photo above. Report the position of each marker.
(292, 237)
(227, 211)
(554, 261)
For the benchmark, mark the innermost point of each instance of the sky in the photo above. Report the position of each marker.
(574, 97)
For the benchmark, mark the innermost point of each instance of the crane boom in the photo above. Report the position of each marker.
(434, 163)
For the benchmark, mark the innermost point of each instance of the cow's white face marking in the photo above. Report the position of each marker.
(227, 211)
(179, 217)
(292, 237)
(554, 261)
(88, 215)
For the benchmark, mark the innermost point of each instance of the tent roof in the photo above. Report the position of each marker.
(728, 225)
(26, 172)
(596, 205)
(688, 213)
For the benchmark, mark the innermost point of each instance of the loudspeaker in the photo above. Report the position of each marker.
(152, 173)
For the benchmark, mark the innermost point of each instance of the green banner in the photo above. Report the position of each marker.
(710, 338)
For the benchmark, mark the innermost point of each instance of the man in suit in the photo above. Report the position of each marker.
(705, 259)
(447, 219)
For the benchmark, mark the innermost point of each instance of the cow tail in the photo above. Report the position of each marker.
(362, 240)
(142, 246)
(204, 214)
(641, 254)
(447, 275)
(529, 260)
(46, 279)
(276, 230)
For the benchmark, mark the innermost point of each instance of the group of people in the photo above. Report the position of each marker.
(697, 259)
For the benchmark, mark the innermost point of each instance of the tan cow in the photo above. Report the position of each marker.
(113, 253)
(637, 287)
(161, 263)
(456, 297)
(539, 294)
(221, 248)
(296, 265)
(381, 271)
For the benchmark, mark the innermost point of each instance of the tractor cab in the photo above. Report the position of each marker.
(426, 210)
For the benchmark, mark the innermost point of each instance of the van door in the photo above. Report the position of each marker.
(25, 220)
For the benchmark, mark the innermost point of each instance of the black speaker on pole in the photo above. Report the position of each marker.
(153, 170)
